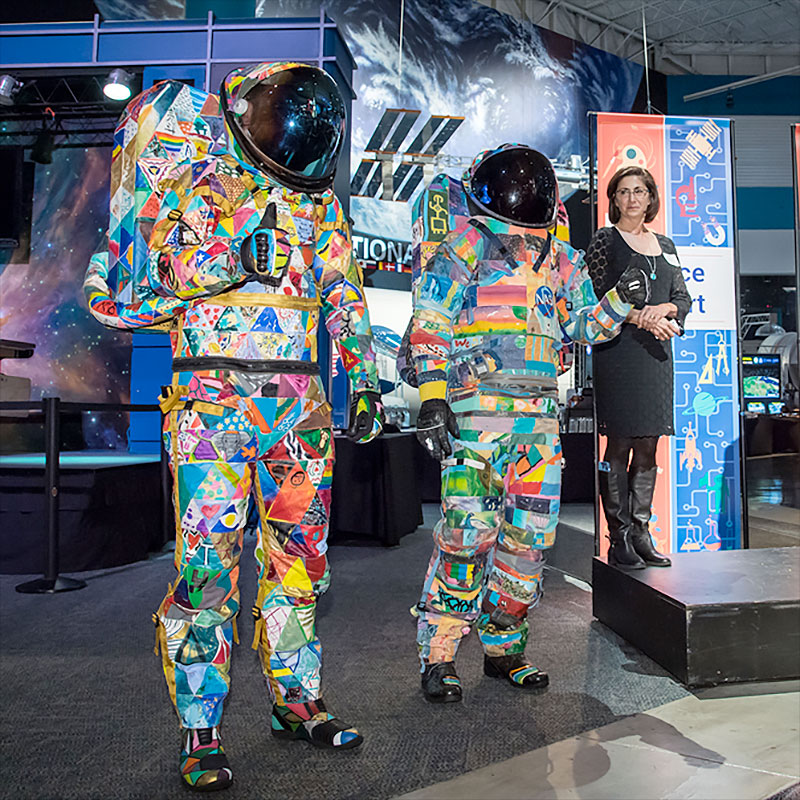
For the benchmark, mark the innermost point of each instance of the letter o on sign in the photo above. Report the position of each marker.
(377, 250)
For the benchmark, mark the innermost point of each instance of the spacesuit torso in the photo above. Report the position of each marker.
(486, 322)
(254, 324)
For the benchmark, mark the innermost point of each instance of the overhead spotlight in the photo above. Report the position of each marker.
(118, 85)
(9, 86)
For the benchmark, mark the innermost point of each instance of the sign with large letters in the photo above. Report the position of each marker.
(697, 505)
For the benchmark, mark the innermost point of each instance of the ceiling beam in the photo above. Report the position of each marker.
(727, 87)
(724, 18)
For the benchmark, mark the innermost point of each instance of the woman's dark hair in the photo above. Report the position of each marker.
(647, 179)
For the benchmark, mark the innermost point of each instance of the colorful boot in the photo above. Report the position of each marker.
(321, 729)
(440, 683)
(516, 670)
(204, 765)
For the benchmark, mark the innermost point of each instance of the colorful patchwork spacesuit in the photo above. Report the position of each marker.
(492, 308)
(251, 247)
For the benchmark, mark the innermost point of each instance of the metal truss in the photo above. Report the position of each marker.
(684, 36)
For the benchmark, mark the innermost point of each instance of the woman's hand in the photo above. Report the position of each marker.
(649, 315)
(664, 329)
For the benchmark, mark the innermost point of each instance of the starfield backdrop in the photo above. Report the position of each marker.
(41, 301)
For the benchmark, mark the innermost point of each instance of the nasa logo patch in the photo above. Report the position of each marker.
(545, 302)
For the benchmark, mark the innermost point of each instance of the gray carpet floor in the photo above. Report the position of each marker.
(86, 713)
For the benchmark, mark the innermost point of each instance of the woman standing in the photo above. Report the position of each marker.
(633, 374)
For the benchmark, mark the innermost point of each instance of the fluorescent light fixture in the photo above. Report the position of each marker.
(118, 84)
(9, 86)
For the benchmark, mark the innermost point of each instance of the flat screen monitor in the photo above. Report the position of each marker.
(756, 407)
(761, 377)
(775, 407)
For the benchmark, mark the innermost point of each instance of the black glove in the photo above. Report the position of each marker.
(366, 417)
(634, 287)
(435, 420)
(265, 252)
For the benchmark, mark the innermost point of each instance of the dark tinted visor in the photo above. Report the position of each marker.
(517, 186)
(298, 121)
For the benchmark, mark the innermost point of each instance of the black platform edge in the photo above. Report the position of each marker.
(711, 618)
(573, 552)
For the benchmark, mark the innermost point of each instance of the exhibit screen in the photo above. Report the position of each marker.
(761, 377)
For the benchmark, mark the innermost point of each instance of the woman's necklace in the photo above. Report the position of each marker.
(652, 265)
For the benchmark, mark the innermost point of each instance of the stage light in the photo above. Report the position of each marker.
(118, 84)
(9, 86)
(42, 150)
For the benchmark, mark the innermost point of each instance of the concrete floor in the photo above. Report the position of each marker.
(735, 742)
(727, 743)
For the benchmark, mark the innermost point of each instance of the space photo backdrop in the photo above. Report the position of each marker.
(41, 301)
(508, 80)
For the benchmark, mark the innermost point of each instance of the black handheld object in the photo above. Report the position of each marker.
(634, 287)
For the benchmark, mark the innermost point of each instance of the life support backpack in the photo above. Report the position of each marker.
(170, 125)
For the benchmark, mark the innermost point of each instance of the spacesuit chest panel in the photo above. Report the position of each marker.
(508, 321)
(276, 320)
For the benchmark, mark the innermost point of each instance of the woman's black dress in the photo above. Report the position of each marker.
(633, 374)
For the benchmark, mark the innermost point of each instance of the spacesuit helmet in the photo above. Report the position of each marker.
(516, 184)
(288, 120)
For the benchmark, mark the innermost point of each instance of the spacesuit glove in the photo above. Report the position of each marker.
(633, 287)
(436, 419)
(265, 254)
(366, 417)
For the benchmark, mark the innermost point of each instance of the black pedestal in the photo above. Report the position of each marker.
(713, 617)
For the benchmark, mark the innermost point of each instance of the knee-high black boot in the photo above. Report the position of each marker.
(642, 484)
(614, 491)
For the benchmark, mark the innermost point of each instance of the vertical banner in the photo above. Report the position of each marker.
(796, 172)
(697, 500)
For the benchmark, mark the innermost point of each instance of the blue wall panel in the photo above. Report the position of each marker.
(55, 49)
(132, 47)
(765, 207)
(275, 45)
(776, 96)
(151, 368)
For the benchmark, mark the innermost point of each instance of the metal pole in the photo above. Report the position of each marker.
(595, 437)
(739, 348)
(52, 474)
(51, 582)
(646, 62)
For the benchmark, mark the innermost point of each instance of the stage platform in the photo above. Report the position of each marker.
(110, 510)
(711, 618)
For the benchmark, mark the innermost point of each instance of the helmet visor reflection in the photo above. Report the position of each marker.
(517, 185)
(297, 119)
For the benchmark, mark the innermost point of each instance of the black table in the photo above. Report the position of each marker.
(376, 488)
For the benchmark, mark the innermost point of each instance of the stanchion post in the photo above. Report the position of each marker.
(52, 582)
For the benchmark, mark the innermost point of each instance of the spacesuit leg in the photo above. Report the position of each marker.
(293, 488)
(471, 504)
(196, 620)
(514, 584)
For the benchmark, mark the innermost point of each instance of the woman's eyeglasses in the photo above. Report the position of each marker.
(638, 192)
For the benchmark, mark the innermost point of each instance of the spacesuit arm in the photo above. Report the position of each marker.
(583, 318)
(344, 307)
(438, 297)
(194, 245)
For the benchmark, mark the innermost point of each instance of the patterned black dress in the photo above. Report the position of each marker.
(633, 374)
